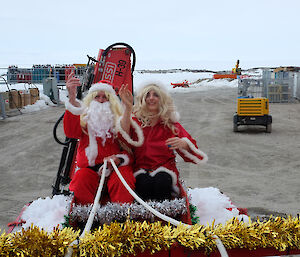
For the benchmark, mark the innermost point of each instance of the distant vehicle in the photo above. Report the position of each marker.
(233, 75)
(252, 111)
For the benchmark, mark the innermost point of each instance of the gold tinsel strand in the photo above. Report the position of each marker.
(121, 239)
(37, 242)
(4, 244)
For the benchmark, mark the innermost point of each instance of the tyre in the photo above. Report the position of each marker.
(235, 126)
(269, 128)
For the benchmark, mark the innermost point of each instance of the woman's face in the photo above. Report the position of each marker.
(152, 101)
(101, 97)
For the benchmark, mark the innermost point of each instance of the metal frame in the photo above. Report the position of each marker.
(38, 73)
(278, 87)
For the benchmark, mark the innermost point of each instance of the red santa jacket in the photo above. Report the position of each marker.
(73, 129)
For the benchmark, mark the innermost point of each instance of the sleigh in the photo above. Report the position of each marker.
(170, 237)
(183, 84)
(179, 239)
(183, 252)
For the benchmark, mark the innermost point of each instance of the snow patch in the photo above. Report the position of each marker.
(47, 213)
(212, 205)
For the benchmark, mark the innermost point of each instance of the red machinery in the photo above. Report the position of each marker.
(233, 75)
(114, 66)
(225, 76)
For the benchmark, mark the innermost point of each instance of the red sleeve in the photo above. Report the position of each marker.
(72, 126)
(193, 154)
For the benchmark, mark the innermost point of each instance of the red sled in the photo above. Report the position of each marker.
(182, 84)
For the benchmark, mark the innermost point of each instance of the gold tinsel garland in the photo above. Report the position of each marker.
(119, 239)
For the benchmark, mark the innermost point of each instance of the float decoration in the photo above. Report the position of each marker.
(132, 238)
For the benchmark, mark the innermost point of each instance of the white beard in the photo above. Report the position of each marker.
(100, 119)
(100, 123)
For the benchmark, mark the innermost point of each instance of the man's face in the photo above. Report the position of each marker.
(101, 97)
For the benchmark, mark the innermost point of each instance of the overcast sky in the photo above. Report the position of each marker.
(209, 34)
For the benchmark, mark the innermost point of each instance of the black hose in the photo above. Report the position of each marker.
(122, 44)
(55, 134)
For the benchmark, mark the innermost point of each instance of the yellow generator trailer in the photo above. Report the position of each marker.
(252, 111)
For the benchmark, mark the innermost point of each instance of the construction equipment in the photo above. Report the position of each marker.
(233, 75)
(252, 111)
(237, 70)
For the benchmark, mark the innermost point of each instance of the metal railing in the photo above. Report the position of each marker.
(278, 87)
(38, 73)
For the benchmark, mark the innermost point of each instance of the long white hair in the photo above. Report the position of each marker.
(167, 110)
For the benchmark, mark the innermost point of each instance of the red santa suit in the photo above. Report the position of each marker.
(154, 156)
(86, 181)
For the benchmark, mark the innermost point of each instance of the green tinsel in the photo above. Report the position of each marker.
(66, 224)
(195, 219)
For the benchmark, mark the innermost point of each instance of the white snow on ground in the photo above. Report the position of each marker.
(41, 104)
(197, 81)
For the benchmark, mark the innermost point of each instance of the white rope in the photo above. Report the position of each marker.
(220, 246)
(90, 220)
(174, 222)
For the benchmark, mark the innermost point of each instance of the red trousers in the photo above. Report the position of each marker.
(86, 181)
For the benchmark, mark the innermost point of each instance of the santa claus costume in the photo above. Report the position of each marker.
(94, 145)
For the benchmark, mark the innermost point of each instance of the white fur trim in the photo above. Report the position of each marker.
(125, 159)
(141, 171)
(147, 83)
(101, 86)
(108, 171)
(91, 150)
(191, 156)
(73, 109)
(171, 173)
(162, 169)
(137, 129)
(175, 116)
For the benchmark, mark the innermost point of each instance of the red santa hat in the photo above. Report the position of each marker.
(102, 85)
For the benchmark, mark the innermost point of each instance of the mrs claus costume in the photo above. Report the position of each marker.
(154, 157)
